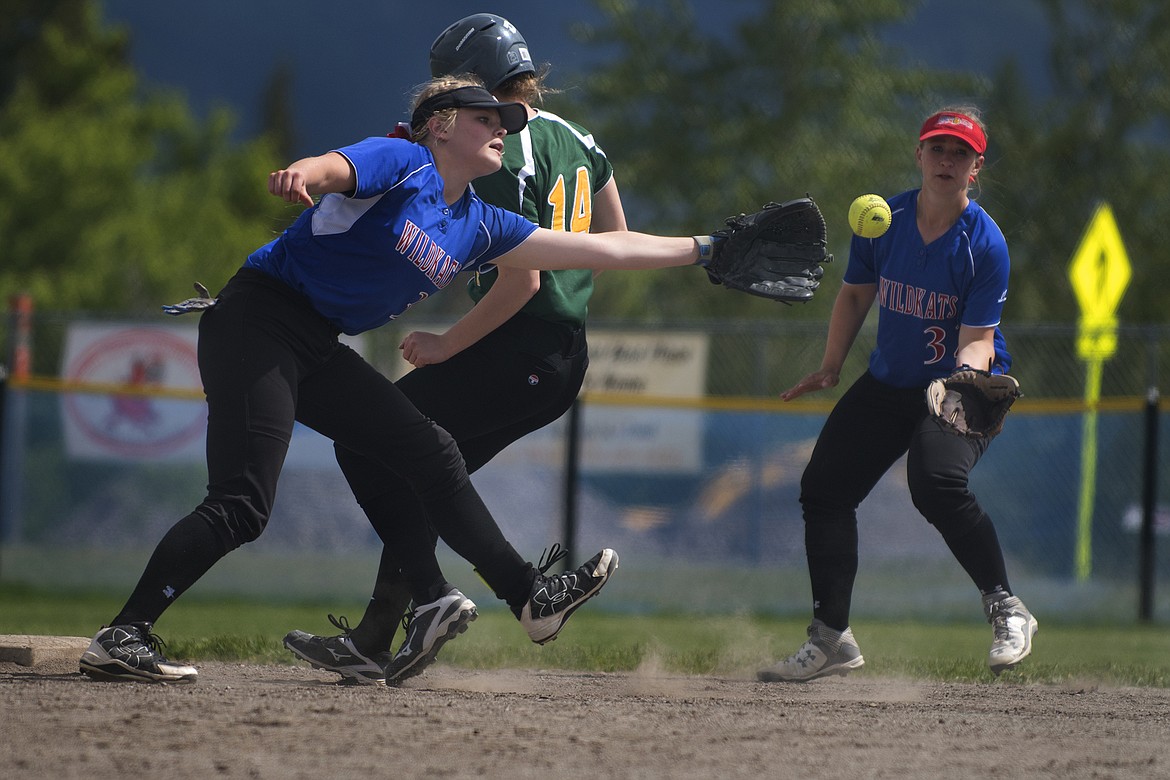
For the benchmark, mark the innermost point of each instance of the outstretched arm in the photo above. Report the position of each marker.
(311, 176)
(552, 250)
(608, 212)
(513, 288)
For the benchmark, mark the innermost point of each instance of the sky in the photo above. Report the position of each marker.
(355, 62)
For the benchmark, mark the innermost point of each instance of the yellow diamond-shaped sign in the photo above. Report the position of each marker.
(1100, 270)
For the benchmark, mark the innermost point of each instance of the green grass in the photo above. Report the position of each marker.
(595, 640)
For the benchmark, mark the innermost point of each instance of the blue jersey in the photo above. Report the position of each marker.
(362, 258)
(926, 291)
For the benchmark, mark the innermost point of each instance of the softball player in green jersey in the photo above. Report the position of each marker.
(510, 366)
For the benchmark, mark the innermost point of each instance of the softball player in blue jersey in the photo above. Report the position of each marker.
(939, 277)
(396, 222)
(512, 365)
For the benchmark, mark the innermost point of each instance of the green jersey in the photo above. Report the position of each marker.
(552, 170)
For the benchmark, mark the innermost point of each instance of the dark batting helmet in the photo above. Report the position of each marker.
(484, 44)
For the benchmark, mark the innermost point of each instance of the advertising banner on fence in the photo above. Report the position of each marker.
(133, 393)
(144, 422)
(637, 439)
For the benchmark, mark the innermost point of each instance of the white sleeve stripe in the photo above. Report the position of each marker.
(483, 228)
(527, 171)
(586, 140)
(337, 213)
(970, 255)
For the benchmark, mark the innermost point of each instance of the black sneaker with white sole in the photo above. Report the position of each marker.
(338, 654)
(427, 630)
(132, 652)
(554, 599)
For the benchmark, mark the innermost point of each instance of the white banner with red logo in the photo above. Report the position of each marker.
(163, 416)
(143, 424)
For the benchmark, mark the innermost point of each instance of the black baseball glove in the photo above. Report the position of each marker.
(972, 402)
(775, 253)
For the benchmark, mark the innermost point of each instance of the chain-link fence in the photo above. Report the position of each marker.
(701, 504)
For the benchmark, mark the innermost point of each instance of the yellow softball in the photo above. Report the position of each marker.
(869, 216)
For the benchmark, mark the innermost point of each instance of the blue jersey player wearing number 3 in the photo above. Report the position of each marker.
(939, 277)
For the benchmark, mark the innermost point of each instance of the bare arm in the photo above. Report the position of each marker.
(552, 250)
(976, 347)
(512, 289)
(311, 176)
(849, 312)
(608, 214)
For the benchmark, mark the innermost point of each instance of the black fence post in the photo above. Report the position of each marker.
(1146, 570)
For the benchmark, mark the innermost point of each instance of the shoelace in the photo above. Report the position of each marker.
(152, 640)
(551, 556)
(999, 626)
(342, 624)
(408, 617)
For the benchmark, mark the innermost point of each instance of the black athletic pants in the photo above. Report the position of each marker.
(267, 358)
(872, 426)
(515, 380)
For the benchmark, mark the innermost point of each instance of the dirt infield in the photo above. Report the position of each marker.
(242, 721)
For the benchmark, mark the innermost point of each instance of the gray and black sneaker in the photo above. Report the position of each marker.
(428, 628)
(338, 654)
(1013, 627)
(554, 599)
(826, 652)
(132, 652)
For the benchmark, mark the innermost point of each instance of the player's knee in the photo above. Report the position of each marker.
(950, 508)
(934, 486)
(234, 522)
(823, 496)
(438, 473)
(431, 467)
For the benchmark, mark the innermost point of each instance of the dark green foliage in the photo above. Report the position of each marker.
(806, 97)
(112, 199)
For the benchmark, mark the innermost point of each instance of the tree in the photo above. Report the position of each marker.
(800, 98)
(111, 199)
(807, 97)
(1102, 135)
